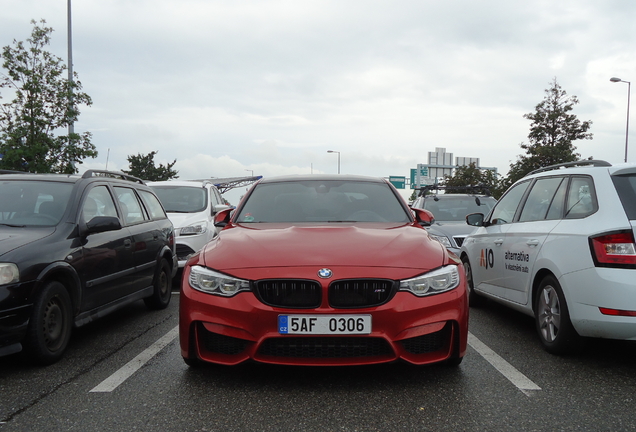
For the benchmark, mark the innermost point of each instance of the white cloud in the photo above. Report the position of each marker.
(270, 85)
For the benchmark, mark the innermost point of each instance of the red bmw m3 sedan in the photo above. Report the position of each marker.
(323, 270)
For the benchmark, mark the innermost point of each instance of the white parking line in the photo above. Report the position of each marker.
(520, 381)
(111, 383)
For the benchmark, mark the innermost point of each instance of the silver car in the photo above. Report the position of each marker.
(450, 210)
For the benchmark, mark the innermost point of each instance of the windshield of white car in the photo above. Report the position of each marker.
(451, 208)
(323, 201)
(182, 199)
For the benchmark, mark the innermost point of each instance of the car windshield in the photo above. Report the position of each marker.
(323, 201)
(182, 199)
(447, 207)
(33, 203)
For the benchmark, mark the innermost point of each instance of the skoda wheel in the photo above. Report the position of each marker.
(552, 318)
(50, 325)
(474, 299)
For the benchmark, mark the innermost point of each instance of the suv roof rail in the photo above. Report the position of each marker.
(474, 189)
(593, 162)
(112, 174)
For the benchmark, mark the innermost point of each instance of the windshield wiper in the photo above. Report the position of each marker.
(12, 225)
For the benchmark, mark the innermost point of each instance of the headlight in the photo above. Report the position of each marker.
(435, 282)
(194, 229)
(9, 273)
(442, 239)
(211, 282)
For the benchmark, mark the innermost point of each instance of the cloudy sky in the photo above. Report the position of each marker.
(231, 87)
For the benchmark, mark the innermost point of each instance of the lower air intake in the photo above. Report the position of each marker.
(325, 347)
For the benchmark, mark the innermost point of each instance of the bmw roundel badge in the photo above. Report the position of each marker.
(325, 273)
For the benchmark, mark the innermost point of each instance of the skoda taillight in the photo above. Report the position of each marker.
(615, 249)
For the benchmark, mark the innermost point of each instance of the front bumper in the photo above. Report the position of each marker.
(13, 328)
(240, 328)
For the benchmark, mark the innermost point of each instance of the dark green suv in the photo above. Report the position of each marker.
(74, 248)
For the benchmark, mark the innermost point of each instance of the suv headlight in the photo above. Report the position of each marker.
(211, 282)
(435, 282)
(194, 229)
(445, 241)
(9, 273)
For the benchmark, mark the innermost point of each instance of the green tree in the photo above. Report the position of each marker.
(471, 175)
(553, 129)
(45, 103)
(143, 166)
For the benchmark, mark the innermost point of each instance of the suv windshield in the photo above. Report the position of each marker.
(33, 203)
(323, 201)
(182, 199)
(454, 208)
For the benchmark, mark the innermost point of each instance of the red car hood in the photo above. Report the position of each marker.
(362, 245)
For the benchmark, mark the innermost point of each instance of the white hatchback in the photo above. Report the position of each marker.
(191, 206)
(559, 246)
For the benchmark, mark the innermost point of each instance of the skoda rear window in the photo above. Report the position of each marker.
(626, 188)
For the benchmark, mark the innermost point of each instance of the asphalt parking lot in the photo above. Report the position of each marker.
(125, 373)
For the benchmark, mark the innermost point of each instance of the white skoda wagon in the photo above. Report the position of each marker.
(559, 246)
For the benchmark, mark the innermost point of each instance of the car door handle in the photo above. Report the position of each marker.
(127, 243)
(533, 243)
(498, 242)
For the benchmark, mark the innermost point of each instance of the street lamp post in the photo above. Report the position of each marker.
(71, 124)
(629, 91)
(333, 151)
(252, 171)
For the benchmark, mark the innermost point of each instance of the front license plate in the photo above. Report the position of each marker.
(324, 324)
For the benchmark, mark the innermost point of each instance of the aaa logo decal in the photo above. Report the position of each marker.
(487, 258)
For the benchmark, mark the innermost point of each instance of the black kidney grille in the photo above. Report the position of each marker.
(428, 343)
(325, 347)
(221, 344)
(289, 293)
(355, 293)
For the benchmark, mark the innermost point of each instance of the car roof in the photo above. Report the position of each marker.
(114, 176)
(451, 195)
(68, 178)
(192, 183)
(322, 177)
(586, 166)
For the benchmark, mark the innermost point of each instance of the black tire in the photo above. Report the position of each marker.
(474, 299)
(50, 325)
(193, 362)
(454, 361)
(160, 298)
(552, 319)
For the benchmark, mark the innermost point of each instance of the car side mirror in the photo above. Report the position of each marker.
(475, 219)
(222, 218)
(219, 207)
(423, 217)
(102, 224)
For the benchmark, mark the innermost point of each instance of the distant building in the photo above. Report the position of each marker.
(440, 164)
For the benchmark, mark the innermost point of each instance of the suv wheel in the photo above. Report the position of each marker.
(474, 299)
(50, 325)
(160, 298)
(553, 319)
